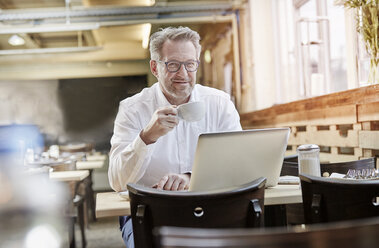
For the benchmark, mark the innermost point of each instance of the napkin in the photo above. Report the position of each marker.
(337, 175)
(289, 180)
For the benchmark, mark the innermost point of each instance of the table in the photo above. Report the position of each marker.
(111, 204)
(87, 165)
(96, 157)
(283, 194)
(65, 176)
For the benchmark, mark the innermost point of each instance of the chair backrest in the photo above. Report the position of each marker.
(237, 207)
(290, 166)
(343, 167)
(329, 199)
(347, 234)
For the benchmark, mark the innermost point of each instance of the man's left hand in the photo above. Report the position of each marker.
(174, 182)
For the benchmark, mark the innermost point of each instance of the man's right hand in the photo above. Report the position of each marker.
(163, 121)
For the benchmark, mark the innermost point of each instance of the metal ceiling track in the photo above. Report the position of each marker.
(50, 50)
(76, 13)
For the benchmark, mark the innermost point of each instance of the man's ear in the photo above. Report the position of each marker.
(154, 68)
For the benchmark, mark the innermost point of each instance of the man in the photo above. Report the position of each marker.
(150, 145)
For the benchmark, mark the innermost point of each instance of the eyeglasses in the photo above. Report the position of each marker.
(174, 66)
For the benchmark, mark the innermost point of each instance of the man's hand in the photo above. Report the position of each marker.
(174, 182)
(163, 121)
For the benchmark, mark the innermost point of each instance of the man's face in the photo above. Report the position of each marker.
(176, 86)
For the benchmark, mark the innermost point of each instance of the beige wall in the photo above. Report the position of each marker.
(31, 102)
(68, 111)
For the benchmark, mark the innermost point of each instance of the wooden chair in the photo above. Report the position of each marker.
(75, 212)
(236, 207)
(76, 207)
(295, 212)
(329, 199)
(348, 234)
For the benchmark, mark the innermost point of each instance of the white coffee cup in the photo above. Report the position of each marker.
(192, 111)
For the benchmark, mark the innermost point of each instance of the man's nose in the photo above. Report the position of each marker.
(182, 70)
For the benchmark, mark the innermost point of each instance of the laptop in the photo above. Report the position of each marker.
(228, 159)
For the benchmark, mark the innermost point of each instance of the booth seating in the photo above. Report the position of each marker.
(235, 207)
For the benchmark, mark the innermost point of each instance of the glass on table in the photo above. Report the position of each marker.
(366, 173)
(351, 173)
(362, 174)
(308, 159)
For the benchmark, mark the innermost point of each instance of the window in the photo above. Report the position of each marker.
(322, 47)
(338, 56)
(311, 48)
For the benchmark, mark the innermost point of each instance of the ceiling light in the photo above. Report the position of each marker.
(49, 28)
(16, 40)
(146, 35)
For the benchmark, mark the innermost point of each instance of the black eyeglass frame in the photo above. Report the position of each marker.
(180, 64)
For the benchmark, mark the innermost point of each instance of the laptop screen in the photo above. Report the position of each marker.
(228, 159)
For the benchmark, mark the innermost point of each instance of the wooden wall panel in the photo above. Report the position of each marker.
(368, 112)
(344, 124)
(326, 138)
(369, 139)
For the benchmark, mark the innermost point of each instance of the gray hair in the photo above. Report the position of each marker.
(181, 33)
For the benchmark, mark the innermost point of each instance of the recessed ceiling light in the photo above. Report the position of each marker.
(16, 40)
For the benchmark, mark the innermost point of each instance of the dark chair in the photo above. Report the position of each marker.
(295, 212)
(290, 166)
(343, 167)
(236, 207)
(90, 195)
(348, 234)
(330, 199)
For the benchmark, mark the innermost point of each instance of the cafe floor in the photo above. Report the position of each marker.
(104, 233)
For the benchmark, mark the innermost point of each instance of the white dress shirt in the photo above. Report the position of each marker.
(132, 161)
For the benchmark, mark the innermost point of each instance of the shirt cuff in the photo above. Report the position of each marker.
(140, 146)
